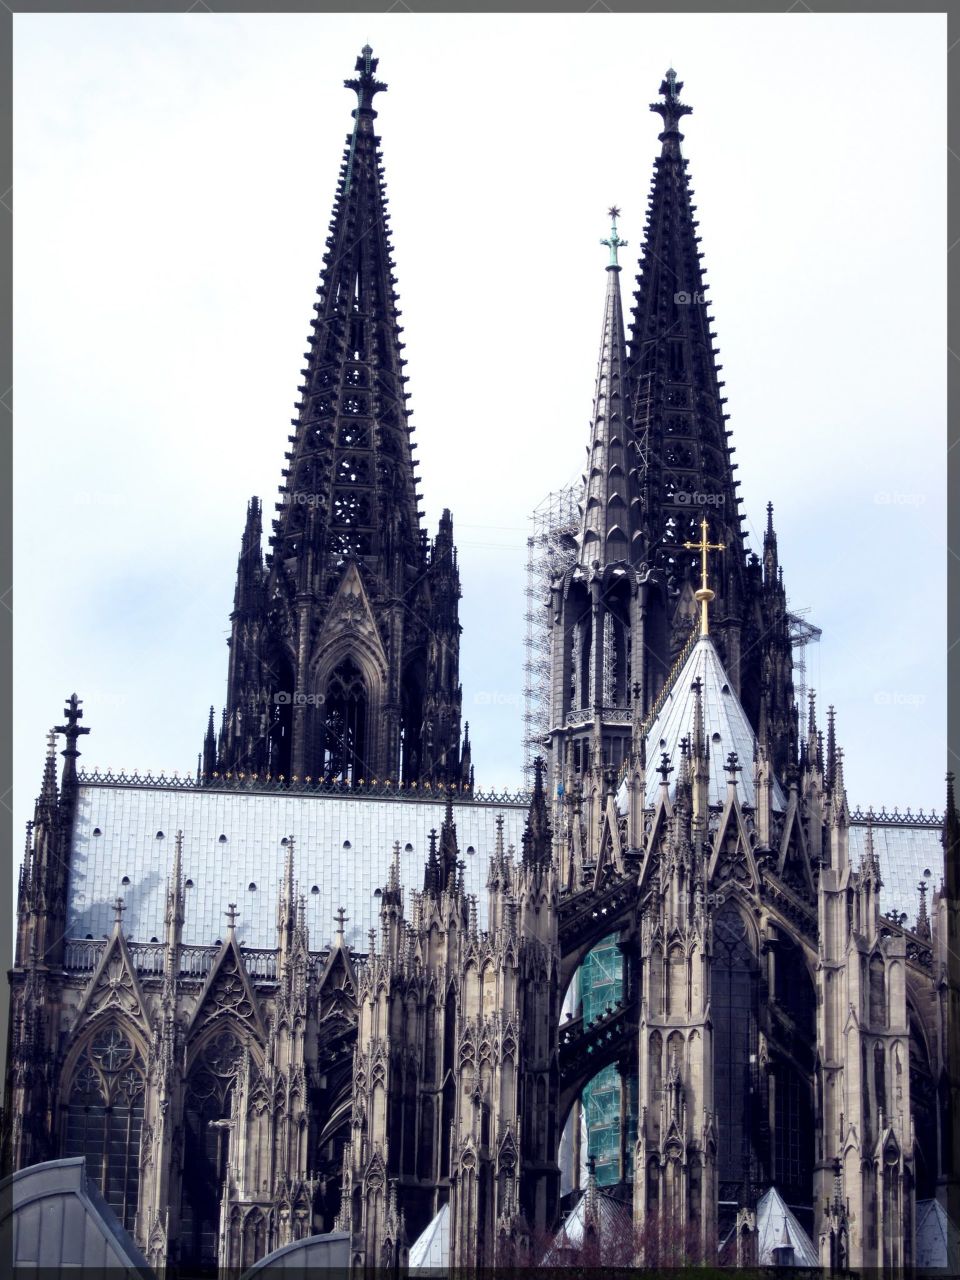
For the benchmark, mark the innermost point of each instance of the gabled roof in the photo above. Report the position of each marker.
(613, 1222)
(776, 1225)
(431, 1249)
(725, 726)
(937, 1237)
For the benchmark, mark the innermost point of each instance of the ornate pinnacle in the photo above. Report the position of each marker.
(733, 767)
(118, 910)
(364, 83)
(671, 108)
(341, 918)
(704, 594)
(614, 243)
(231, 913)
(664, 768)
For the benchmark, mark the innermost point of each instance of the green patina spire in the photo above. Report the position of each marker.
(614, 243)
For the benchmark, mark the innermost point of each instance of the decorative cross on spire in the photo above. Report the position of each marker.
(118, 910)
(231, 913)
(733, 767)
(71, 731)
(341, 918)
(704, 594)
(664, 768)
(614, 243)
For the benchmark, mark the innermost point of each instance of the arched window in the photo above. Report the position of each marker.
(344, 723)
(584, 681)
(208, 1101)
(734, 1004)
(104, 1117)
(878, 998)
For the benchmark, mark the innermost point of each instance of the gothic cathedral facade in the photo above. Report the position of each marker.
(776, 1028)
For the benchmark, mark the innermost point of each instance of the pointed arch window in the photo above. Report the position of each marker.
(207, 1105)
(878, 997)
(734, 1003)
(104, 1117)
(345, 722)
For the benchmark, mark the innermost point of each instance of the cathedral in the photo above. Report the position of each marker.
(675, 1004)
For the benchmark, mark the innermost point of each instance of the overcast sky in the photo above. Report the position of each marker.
(173, 181)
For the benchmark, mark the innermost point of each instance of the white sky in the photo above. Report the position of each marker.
(173, 182)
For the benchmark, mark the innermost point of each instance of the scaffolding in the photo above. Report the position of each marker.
(601, 986)
(551, 549)
(801, 633)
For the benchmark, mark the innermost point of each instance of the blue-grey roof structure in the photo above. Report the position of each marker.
(725, 724)
(908, 853)
(123, 844)
(431, 1249)
(53, 1217)
(777, 1227)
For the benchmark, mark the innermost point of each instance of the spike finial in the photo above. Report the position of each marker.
(614, 243)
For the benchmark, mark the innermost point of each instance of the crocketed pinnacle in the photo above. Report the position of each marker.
(606, 528)
(537, 837)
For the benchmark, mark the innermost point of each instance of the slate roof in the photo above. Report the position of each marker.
(773, 1219)
(432, 1247)
(232, 840)
(906, 852)
(725, 725)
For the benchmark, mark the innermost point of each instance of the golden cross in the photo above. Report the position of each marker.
(704, 595)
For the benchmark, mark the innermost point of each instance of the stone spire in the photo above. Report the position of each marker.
(353, 671)
(605, 522)
(349, 487)
(671, 348)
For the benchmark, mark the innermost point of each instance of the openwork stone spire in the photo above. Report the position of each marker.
(349, 488)
(606, 523)
(344, 653)
(678, 406)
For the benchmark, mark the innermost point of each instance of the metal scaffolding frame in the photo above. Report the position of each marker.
(551, 549)
(802, 633)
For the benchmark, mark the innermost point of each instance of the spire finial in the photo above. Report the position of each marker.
(231, 913)
(614, 243)
(341, 918)
(704, 594)
(671, 108)
(118, 910)
(364, 84)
